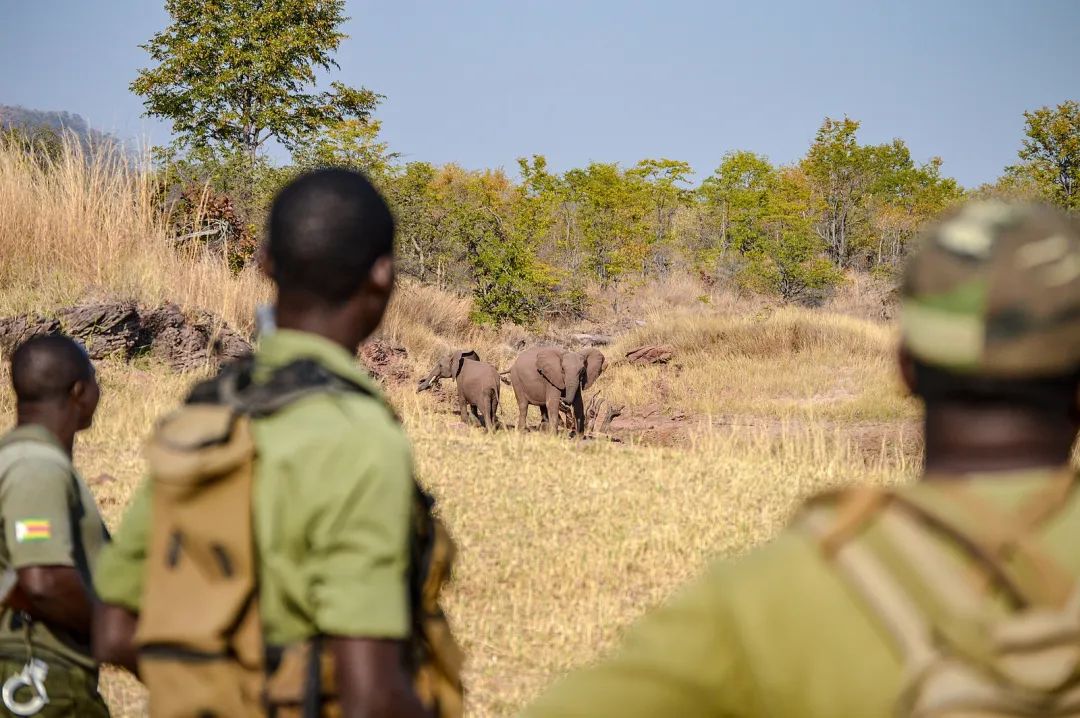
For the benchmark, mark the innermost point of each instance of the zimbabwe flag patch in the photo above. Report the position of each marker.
(33, 530)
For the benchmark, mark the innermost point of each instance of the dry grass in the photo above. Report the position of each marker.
(88, 225)
(562, 543)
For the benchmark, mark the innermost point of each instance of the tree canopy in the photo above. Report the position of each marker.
(235, 74)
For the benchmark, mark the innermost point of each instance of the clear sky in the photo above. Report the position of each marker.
(483, 82)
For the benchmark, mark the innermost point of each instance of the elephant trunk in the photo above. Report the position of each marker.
(428, 380)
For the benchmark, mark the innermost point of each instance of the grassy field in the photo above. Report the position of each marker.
(562, 543)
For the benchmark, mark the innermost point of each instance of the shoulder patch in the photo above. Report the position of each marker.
(29, 530)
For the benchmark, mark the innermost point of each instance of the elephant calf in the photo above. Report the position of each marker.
(546, 377)
(477, 385)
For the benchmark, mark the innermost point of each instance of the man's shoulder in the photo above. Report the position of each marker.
(351, 423)
(28, 451)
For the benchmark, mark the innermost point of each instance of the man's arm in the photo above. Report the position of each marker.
(371, 681)
(36, 506)
(56, 595)
(114, 636)
(357, 561)
(118, 578)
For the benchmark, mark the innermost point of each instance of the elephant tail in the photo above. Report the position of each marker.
(492, 408)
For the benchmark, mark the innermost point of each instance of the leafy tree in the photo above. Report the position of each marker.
(353, 144)
(838, 170)
(662, 180)
(789, 258)
(735, 198)
(611, 210)
(44, 145)
(1051, 153)
(237, 73)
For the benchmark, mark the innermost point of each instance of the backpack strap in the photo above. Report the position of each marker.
(872, 581)
(1002, 542)
(234, 386)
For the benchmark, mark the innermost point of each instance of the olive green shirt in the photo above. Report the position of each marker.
(332, 505)
(777, 632)
(47, 518)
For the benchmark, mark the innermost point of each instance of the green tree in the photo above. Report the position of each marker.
(1050, 155)
(789, 258)
(838, 170)
(238, 73)
(662, 181)
(43, 145)
(611, 212)
(735, 198)
(354, 144)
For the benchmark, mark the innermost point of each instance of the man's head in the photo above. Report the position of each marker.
(53, 374)
(329, 250)
(991, 312)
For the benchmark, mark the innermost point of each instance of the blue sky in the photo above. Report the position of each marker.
(481, 83)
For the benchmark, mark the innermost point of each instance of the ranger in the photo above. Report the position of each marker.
(271, 564)
(956, 596)
(52, 534)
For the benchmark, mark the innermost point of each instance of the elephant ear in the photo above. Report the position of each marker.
(549, 364)
(594, 364)
(458, 360)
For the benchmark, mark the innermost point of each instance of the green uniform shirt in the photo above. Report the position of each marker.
(332, 507)
(778, 632)
(48, 518)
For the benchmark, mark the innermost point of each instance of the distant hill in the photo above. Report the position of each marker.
(58, 121)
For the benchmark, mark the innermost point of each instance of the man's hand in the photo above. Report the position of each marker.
(114, 636)
(55, 595)
(371, 679)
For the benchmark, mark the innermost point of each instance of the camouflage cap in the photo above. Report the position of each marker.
(994, 290)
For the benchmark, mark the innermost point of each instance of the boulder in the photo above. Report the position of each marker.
(651, 354)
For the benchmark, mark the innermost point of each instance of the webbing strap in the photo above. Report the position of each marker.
(993, 536)
(891, 605)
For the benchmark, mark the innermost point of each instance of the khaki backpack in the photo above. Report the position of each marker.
(199, 636)
(999, 638)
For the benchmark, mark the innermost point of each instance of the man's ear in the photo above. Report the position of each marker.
(906, 363)
(264, 262)
(382, 274)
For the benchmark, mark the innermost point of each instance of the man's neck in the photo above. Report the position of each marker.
(338, 326)
(55, 422)
(965, 439)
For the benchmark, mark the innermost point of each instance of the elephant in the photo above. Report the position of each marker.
(477, 385)
(547, 376)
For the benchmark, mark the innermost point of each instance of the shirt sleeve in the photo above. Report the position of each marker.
(680, 660)
(118, 578)
(36, 509)
(358, 536)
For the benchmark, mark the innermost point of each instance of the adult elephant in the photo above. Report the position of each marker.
(547, 376)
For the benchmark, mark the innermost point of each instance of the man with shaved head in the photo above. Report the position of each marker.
(333, 504)
(51, 535)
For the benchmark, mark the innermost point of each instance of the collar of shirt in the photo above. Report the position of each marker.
(33, 432)
(285, 346)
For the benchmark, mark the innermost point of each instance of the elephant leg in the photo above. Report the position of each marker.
(553, 402)
(463, 409)
(523, 412)
(476, 414)
(489, 409)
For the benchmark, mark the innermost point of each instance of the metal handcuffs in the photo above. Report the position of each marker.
(32, 676)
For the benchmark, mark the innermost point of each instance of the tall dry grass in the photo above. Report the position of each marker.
(89, 224)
